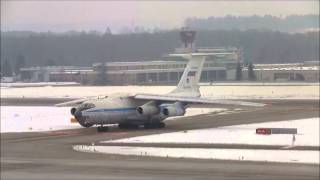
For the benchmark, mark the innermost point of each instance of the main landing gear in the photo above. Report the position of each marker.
(128, 126)
(102, 128)
(154, 125)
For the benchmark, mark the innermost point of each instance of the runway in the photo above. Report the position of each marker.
(49, 155)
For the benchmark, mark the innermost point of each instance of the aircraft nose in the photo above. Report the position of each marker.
(81, 119)
(78, 114)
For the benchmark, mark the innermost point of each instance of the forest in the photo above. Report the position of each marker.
(292, 23)
(80, 48)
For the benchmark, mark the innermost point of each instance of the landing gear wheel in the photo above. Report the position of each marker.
(162, 125)
(149, 126)
(128, 126)
(154, 125)
(146, 125)
(121, 126)
(102, 128)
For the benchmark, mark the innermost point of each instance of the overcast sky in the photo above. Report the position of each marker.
(97, 15)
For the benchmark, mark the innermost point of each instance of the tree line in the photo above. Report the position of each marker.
(292, 23)
(83, 49)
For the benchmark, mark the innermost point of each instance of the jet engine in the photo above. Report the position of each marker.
(148, 109)
(176, 109)
(77, 113)
(73, 110)
(82, 107)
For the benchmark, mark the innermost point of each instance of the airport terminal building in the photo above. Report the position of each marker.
(54, 73)
(307, 71)
(164, 72)
(216, 68)
(221, 65)
(168, 72)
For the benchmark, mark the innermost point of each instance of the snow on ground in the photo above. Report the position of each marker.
(259, 83)
(35, 118)
(288, 156)
(261, 92)
(221, 92)
(308, 135)
(45, 118)
(37, 84)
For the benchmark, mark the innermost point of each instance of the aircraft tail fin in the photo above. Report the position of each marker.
(188, 84)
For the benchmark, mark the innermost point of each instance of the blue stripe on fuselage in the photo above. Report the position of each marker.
(113, 110)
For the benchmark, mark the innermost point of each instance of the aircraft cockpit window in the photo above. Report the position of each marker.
(87, 105)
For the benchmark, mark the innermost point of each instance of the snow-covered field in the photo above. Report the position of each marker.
(47, 118)
(308, 135)
(35, 118)
(287, 156)
(260, 83)
(37, 84)
(222, 92)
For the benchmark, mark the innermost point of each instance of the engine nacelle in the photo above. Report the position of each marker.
(175, 109)
(81, 107)
(148, 109)
(73, 110)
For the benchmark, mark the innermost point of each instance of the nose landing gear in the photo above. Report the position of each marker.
(81, 119)
(83, 122)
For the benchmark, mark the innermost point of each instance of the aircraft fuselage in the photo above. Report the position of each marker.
(114, 110)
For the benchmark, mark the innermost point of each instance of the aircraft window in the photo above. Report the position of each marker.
(87, 105)
(90, 105)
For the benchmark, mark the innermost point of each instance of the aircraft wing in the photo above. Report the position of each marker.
(72, 103)
(195, 100)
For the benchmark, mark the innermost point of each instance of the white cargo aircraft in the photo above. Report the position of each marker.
(149, 110)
